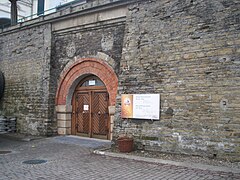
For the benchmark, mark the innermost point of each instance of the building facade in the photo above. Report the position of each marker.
(24, 9)
(66, 72)
(29, 9)
(44, 7)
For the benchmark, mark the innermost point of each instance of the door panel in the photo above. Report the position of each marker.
(100, 115)
(82, 112)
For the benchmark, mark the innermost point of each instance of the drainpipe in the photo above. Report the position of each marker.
(32, 9)
(14, 13)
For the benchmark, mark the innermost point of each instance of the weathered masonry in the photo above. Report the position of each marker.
(65, 73)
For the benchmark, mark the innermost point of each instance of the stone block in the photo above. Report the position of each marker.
(64, 116)
(64, 124)
(64, 131)
(63, 108)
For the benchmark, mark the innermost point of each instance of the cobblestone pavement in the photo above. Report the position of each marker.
(66, 161)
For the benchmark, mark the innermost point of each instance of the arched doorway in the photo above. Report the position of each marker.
(73, 79)
(90, 117)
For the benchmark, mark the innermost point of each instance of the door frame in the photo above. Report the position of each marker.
(89, 90)
(70, 76)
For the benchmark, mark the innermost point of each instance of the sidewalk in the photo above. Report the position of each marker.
(98, 146)
(71, 157)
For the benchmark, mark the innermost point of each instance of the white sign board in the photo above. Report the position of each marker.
(91, 82)
(141, 106)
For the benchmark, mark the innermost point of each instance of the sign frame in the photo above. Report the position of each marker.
(140, 106)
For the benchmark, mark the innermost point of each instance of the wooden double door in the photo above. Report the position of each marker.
(90, 116)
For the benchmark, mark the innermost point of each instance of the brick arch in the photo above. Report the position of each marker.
(87, 66)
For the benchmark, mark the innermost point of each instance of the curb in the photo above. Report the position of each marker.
(174, 163)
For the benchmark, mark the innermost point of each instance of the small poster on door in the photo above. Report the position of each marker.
(85, 107)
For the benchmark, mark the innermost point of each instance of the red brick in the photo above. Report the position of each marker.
(87, 66)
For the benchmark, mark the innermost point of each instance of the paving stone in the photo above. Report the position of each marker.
(74, 161)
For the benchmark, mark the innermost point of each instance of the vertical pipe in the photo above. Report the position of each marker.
(40, 10)
(32, 9)
(14, 13)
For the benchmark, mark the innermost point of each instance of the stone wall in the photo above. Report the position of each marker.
(34, 54)
(25, 62)
(87, 43)
(189, 52)
(185, 50)
(103, 42)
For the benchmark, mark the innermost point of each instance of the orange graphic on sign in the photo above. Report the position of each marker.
(127, 106)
